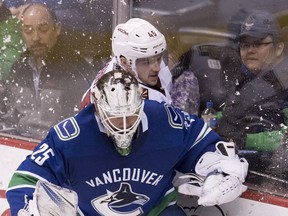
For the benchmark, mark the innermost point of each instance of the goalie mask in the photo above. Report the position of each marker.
(137, 39)
(120, 106)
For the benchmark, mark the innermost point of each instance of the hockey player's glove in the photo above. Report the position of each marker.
(49, 199)
(219, 176)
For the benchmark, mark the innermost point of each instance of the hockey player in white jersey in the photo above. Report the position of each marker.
(118, 156)
(138, 48)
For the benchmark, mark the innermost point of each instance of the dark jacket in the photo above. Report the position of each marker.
(63, 80)
(256, 104)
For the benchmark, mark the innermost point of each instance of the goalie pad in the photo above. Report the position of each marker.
(224, 160)
(50, 199)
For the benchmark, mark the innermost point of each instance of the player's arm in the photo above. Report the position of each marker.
(218, 172)
(43, 164)
(219, 176)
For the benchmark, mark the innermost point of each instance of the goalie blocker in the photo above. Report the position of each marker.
(219, 176)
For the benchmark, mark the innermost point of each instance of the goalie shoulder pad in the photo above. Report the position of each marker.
(224, 160)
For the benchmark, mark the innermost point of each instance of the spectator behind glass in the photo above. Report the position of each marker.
(138, 48)
(10, 40)
(11, 45)
(46, 83)
(259, 98)
(207, 72)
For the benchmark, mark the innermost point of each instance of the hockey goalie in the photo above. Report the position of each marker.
(118, 156)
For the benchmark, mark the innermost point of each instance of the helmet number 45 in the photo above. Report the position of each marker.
(152, 34)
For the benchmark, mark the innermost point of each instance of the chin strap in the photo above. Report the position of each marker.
(219, 176)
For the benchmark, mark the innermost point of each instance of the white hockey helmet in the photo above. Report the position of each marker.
(136, 39)
(117, 97)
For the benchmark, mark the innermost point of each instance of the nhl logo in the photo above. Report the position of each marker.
(249, 23)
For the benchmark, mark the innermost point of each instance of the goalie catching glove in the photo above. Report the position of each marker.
(219, 176)
(49, 199)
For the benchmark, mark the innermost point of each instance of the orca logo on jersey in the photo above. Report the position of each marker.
(67, 129)
(121, 202)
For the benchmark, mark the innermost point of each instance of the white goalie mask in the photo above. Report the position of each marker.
(137, 39)
(120, 106)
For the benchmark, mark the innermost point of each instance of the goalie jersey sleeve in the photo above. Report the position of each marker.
(78, 155)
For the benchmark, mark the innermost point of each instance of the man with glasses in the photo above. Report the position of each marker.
(256, 106)
(256, 113)
(138, 48)
(259, 43)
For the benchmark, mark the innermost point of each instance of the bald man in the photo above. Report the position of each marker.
(48, 80)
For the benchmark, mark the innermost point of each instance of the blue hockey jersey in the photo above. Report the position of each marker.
(77, 154)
